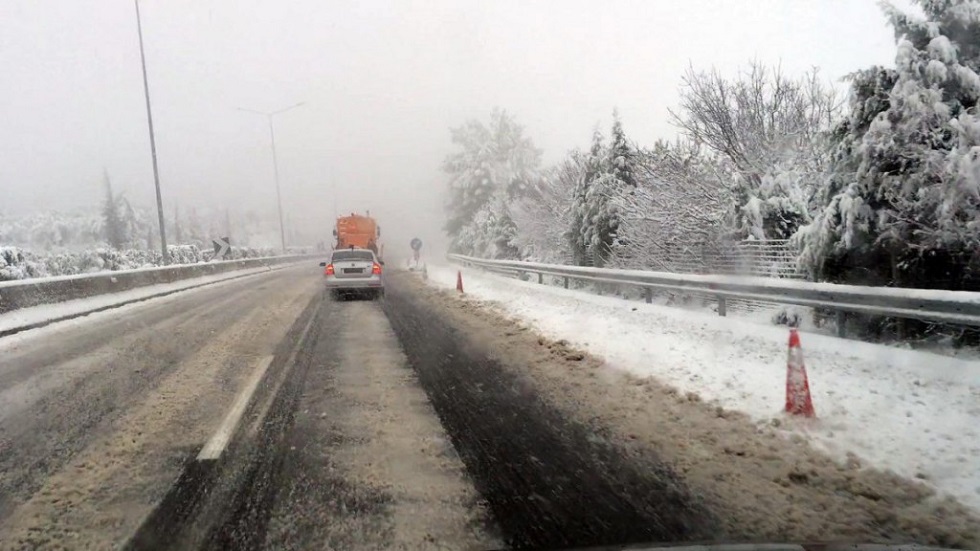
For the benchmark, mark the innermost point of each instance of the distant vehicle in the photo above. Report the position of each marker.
(354, 271)
(358, 231)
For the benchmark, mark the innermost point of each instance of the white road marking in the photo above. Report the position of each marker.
(289, 363)
(216, 445)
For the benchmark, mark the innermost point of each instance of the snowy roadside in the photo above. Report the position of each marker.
(914, 413)
(44, 314)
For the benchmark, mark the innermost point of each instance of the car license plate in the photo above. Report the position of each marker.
(353, 270)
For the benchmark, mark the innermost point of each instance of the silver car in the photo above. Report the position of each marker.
(354, 272)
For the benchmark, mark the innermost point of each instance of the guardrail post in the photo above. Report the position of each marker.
(648, 294)
(540, 278)
(566, 282)
(841, 323)
(722, 306)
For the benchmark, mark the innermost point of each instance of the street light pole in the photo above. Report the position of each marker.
(153, 143)
(275, 163)
(275, 168)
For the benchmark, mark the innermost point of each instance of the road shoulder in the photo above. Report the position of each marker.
(761, 485)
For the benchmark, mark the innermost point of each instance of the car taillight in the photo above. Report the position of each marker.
(376, 270)
(329, 270)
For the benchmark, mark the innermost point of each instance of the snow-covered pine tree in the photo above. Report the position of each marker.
(602, 215)
(178, 230)
(114, 232)
(502, 231)
(843, 231)
(132, 224)
(903, 207)
(622, 155)
(580, 223)
(493, 166)
(610, 171)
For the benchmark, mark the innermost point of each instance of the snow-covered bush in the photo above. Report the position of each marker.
(491, 233)
(85, 229)
(17, 263)
(543, 220)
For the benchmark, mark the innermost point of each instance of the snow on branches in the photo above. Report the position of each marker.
(18, 263)
(771, 128)
(883, 190)
(903, 204)
(494, 165)
(679, 215)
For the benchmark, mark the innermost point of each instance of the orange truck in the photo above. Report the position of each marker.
(358, 231)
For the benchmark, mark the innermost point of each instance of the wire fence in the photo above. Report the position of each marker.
(770, 258)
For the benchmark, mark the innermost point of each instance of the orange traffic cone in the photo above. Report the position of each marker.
(459, 280)
(798, 400)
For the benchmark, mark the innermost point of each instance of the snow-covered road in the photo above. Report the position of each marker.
(915, 413)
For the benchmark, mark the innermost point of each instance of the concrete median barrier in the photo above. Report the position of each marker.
(33, 292)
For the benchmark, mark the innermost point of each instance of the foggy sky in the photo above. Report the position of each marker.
(382, 81)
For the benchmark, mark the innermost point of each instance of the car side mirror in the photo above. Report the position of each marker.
(323, 264)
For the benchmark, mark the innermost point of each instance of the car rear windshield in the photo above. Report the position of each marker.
(353, 255)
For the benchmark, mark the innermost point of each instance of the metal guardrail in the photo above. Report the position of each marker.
(33, 292)
(954, 307)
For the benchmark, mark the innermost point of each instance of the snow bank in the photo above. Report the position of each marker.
(915, 413)
(702, 281)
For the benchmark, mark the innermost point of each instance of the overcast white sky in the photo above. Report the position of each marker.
(382, 81)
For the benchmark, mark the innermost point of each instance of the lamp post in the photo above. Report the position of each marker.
(275, 161)
(153, 143)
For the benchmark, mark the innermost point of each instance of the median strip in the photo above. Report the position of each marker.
(46, 314)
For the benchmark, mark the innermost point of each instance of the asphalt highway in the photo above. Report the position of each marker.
(261, 413)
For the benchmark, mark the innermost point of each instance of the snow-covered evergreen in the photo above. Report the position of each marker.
(883, 189)
(595, 213)
(622, 156)
(903, 206)
(112, 223)
(494, 165)
(580, 225)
